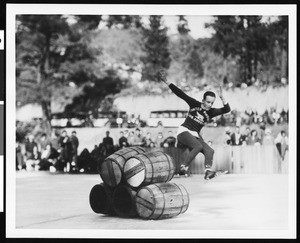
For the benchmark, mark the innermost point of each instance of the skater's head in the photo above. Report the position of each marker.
(209, 98)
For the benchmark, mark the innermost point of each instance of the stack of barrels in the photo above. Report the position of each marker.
(137, 184)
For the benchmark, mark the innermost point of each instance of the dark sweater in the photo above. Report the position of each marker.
(197, 117)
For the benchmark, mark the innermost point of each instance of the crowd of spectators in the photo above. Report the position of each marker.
(59, 152)
(263, 136)
(55, 152)
(251, 116)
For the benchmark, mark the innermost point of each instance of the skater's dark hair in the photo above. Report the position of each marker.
(209, 93)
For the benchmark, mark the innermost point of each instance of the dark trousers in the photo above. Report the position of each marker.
(196, 145)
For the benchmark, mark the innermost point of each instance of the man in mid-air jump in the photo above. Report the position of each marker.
(200, 113)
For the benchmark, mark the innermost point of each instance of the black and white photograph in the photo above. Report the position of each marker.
(150, 121)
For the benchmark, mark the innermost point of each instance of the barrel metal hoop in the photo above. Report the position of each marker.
(181, 198)
(152, 172)
(163, 200)
(170, 167)
(154, 201)
(112, 176)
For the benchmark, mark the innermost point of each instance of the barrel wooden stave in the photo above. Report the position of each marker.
(147, 168)
(111, 170)
(161, 200)
(100, 199)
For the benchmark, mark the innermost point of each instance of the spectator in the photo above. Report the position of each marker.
(31, 153)
(19, 157)
(108, 144)
(65, 150)
(55, 140)
(282, 143)
(236, 137)
(268, 138)
(130, 137)
(159, 140)
(75, 144)
(137, 138)
(227, 137)
(97, 155)
(254, 139)
(84, 161)
(49, 158)
(275, 116)
(147, 140)
(152, 145)
(247, 136)
(123, 141)
(170, 141)
(262, 128)
(238, 121)
(44, 141)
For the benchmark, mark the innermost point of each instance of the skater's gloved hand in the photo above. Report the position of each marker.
(162, 77)
(221, 95)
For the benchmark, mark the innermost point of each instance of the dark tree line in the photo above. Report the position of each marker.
(261, 48)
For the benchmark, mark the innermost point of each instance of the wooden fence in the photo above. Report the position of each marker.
(235, 159)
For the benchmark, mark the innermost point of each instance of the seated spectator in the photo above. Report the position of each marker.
(49, 158)
(254, 139)
(170, 141)
(84, 160)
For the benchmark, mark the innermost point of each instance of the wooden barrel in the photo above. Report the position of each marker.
(148, 168)
(161, 200)
(111, 170)
(101, 199)
(124, 201)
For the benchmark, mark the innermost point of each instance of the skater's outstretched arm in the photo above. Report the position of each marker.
(162, 77)
(225, 108)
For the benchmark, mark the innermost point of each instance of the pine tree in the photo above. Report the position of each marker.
(156, 48)
(182, 26)
(50, 54)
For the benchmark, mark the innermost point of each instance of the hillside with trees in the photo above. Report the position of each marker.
(70, 63)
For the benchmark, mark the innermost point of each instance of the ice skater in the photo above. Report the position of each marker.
(200, 113)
